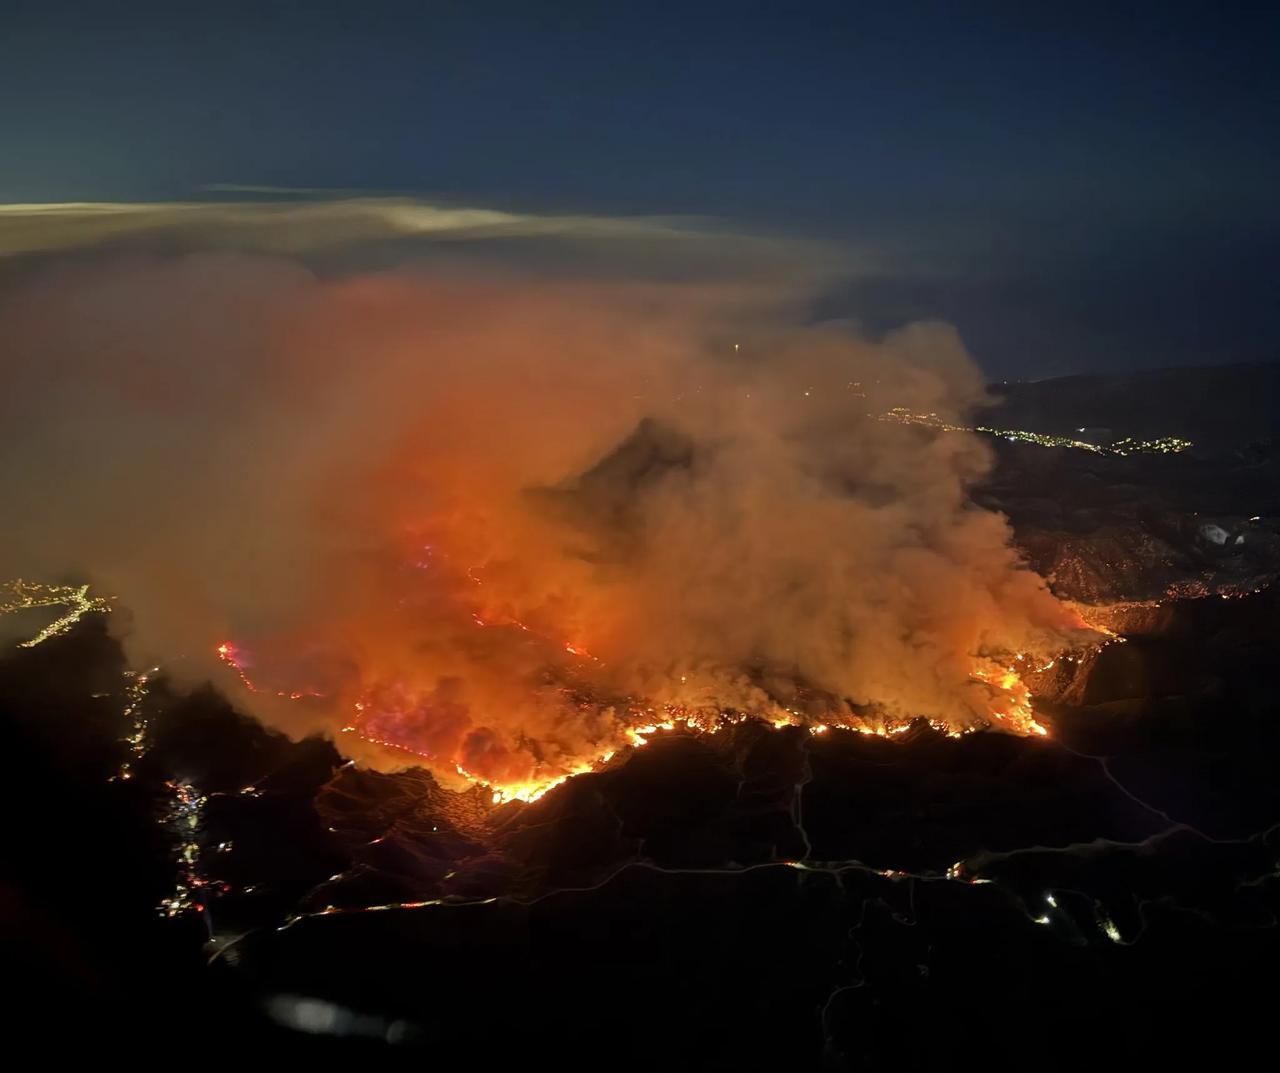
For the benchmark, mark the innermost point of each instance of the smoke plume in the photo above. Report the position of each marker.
(492, 523)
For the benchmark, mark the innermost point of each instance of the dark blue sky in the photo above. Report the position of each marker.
(1076, 187)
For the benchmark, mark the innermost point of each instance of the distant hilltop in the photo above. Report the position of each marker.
(1215, 406)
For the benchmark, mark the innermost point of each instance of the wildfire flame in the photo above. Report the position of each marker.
(1011, 709)
(1011, 702)
(394, 714)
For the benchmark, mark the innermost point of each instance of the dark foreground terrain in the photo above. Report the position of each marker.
(760, 899)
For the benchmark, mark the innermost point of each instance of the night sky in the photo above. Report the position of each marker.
(1076, 187)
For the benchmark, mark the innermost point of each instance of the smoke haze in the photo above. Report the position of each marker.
(493, 520)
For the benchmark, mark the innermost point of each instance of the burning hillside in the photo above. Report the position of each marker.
(500, 528)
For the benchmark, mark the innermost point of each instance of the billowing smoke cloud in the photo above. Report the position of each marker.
(493, 522)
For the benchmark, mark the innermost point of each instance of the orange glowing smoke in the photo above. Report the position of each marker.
(398, 505)
(533, 597)
(540, 598)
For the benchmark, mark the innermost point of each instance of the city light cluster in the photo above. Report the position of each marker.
(19, 595)
(184, 818)
(1122, 448)
(135, 715)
